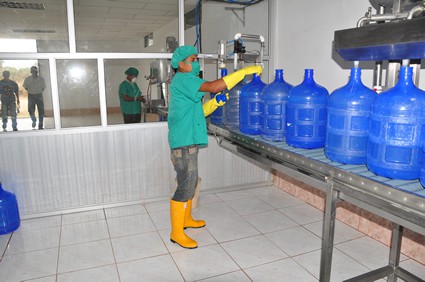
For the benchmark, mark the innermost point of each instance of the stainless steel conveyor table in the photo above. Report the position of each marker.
(401, 202)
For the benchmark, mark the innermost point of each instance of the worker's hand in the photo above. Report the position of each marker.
(218, 101)
(143, 99)
(252, 69)
(234, 78)
(221, 98)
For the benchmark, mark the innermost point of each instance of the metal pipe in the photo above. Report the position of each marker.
(391, 17)
(181, 22)
(384, 17)
(377, 74)
(419, 8)
(249, 36)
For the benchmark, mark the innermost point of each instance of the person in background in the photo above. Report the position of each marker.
(9, 91)
(35, 86)
(187, 130)
(131, 97)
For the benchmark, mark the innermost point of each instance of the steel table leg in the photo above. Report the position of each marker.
(328, 233)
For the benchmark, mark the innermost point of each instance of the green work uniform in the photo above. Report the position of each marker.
(186, 121)
(130, 89)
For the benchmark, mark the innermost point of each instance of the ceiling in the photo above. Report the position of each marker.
(94, 19)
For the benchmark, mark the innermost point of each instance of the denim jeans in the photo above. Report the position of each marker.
(8, 108)
(36, 99)
(185, 162)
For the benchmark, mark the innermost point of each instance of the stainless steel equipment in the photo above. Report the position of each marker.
(242, 56)
(398, 37)
(391, 37)
(159, 79)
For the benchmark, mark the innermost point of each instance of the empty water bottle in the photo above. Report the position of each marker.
(250, 108)
(273, 99)
(347, 127)
(397, 130)
(231, 108)
(9, 213)
(217, 116)
(306, 113)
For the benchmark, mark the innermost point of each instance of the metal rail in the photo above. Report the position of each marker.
(401, 202)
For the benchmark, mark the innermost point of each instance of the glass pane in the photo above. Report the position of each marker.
(124, 26)
(43, 21)
(33, 92)
(78, 92)
(152, 81)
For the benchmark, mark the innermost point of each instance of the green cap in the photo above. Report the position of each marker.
(132, 71)
(181, 53)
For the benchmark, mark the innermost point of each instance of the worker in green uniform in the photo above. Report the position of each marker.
(131, 97)
(188, 130)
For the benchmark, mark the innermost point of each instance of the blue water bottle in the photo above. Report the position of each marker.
(397, 130)
(9, 213)
(422, 172)
(306, 113)
(273, 99)
(231, 108)
(347, 127)
(217, 116)
(250, 108)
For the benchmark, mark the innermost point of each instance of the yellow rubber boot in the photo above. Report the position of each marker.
(189, 222)
(177, 217)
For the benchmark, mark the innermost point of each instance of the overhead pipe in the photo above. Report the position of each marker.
(391, 17)
(417, 9)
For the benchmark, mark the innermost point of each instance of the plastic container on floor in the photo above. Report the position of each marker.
(250, 108)
(273, 99)
(9, 213)
(348, 120)
(306, 114)
(397, 130)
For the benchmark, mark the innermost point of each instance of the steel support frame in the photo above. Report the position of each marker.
(336, 190)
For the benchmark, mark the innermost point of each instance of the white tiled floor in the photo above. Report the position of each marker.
(261, 234)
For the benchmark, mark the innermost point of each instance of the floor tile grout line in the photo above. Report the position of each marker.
(59, 249)
(112, 245)
(5, 248)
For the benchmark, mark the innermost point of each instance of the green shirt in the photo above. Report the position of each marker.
(130, 89)
(186, 121)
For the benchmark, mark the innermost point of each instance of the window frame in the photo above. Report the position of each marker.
(99, 56)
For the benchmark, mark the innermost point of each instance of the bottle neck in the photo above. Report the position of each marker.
(355, 75)
(279, 75)
(405, 76)
(308, 76)
(223, 72)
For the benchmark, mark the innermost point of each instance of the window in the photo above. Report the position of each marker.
(78, 89)
(83, 64)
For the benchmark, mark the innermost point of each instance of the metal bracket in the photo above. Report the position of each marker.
(242, 20)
